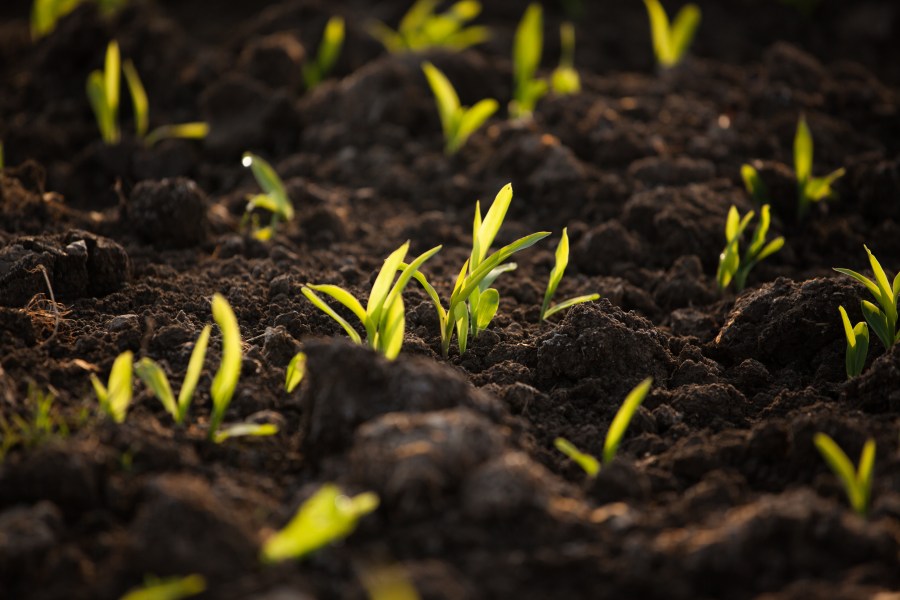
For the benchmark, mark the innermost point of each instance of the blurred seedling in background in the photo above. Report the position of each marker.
(153, 376)
(614, 435)
(328, 516)
(672, 41)
(857, 344)
(46, 13)
(810, 189)
(387, 582)
(171, 588)
(565, 79)
(882, 319)
(422, 28)
(473, 303)
(458, 122)
(528, 46)
(274, 198)
(384, 316)
(734, 267)
(556, 275)
(296, 371)
(115, 397)
(44, 423)
(103, 91)
(315, 71)
(857, 482)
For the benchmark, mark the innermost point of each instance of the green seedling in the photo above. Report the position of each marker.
(882, 319)
(245, 430)
(473, 303)
(614, 435)
(458, 122)
(387, 582)
(328, 516)
(44, 423)
(46, 13)
(857, 344)
(153, 376)
(857, 482)
(175, 588)
(329, 50)
(116, 398)
(565, 80)
(422, 28)
(556, 275)
(273, 199)
(528, 46)
(103, 90)
(810, 190)
(296, 371)
(226, 378)
(733, 267)
(672, 41)
(383, 317)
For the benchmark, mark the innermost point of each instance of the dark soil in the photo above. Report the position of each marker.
(718, 491)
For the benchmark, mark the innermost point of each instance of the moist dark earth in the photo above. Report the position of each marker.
(718, 490)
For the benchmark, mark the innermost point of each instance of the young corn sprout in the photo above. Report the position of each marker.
(731, 265)
(556, 275)
(383, 317)
(328, 516)
(226, 378)
(103, 90)
(473, 302)
(565, 80)
(528, 46)
(422, 28)
(857, 482)
(882, 319)
(458, 122)
(44, 423)
(857, 344)
(46, 13)
(671, 42)
(614, 435)
(273, 199)
(173, 588)
(153, 376)
(810, 189)
(296, 370)
(316, 71)
(116, 397)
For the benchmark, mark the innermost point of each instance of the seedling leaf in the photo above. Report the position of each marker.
(588, 463)
(192, 376)
(857, 483)
(155, 378)
(623, 418)
(296, 371)
(176, 588)
(245, 430)
(226, 378)
(326, 517)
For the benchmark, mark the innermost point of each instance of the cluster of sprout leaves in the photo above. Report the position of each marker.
(733, 266)
(882, 319)
(614, 435)
(46, 13)
(857, 344)
(458, 122)
(810, 189)
(315, 71)
(274, 198)
(115, 397)
(556, 275)
(422, 27)
(528, 45)
(174, 588)
(103, 91)
(473, 303)
(857, 482)
(383, 317)
(44, 423)
(328, 516)
(672, 41)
